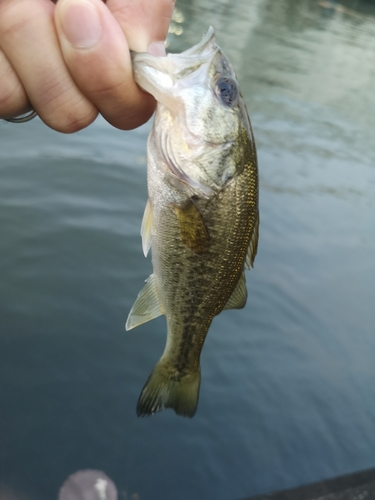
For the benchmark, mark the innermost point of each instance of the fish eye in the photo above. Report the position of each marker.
(227, 90)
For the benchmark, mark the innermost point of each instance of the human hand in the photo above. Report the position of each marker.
(71, 61)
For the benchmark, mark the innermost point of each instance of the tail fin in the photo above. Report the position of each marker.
(167, 389)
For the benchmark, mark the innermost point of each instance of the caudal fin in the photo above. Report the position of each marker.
(167, 389)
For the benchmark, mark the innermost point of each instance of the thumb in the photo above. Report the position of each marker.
(144, 22)
(96, 53)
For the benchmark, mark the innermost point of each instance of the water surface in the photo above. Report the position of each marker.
(288, 383)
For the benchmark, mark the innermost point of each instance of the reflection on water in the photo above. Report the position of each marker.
(288, 384)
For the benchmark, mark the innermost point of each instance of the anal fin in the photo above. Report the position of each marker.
(146, 306)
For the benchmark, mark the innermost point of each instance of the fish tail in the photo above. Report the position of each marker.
(167, 388)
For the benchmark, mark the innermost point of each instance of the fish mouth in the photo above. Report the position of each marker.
(158, 75)
(207, 43)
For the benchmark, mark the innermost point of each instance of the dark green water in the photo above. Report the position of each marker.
(288, 383)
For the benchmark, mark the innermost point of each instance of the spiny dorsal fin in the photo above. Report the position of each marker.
(253, 246)
(239, 296)
(193, 231)
(146, 306)
(146, 228)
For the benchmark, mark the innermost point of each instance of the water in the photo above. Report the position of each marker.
(288, 383)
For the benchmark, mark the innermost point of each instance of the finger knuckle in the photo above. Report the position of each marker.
(71, 120)
(13, 17)
(62, 106)
(12, 96)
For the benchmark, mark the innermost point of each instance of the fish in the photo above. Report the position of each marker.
(201, 219)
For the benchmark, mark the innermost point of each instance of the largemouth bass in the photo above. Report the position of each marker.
(201, 218)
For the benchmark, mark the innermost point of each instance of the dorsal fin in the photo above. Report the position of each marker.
(253, 246)
(239, 295)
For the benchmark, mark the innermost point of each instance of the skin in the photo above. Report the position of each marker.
(70, 61)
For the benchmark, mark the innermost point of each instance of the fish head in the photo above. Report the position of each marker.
(199, 114)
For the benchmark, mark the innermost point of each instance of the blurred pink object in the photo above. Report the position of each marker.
(88, 485)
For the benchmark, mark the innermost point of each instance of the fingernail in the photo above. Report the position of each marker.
(156, 49)
(81, 24)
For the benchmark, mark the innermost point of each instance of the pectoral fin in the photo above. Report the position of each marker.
(146, 307)
(193, 231)
(253, 246)
(239, 296)
(146, 228)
